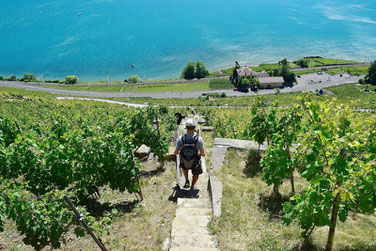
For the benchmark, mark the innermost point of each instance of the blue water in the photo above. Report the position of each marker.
(48, 37)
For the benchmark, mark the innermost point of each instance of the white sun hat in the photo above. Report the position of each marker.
(190, 123)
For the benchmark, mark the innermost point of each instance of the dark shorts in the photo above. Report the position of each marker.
(195, 170)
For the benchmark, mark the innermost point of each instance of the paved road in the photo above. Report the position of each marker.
(305, 82)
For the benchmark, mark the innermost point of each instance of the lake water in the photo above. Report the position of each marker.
(49, 37)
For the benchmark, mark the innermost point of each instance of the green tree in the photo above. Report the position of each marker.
(255, 83)
(288, 76)
(201, 71)
(245, 83)
(134, 79)
(189, 71)
(283, 62)
(303, 63)
(371, 76)
(12, 78)
(29, 77)
(71, 79)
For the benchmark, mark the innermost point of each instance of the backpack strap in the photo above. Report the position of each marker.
(183, 139)
(195, 139)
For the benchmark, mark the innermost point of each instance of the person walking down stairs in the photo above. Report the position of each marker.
(190, 147)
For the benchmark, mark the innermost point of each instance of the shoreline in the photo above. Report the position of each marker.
(115, 78)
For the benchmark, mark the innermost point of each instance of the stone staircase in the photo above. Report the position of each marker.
(190, 227)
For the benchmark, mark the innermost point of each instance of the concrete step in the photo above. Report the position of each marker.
(193, 249)
(202, 241)
(193, 211)
(186, 230)
(199, 200)
(191, 221)
(193, 203)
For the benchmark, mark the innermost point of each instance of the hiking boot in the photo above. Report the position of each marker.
(186, 184)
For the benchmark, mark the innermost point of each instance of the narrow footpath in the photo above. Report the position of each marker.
(190, 227)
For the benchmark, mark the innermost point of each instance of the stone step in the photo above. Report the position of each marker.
(193, 203)
(192, 221)
(186, 230)
(193, 211)
(193, 249)
(197, 240)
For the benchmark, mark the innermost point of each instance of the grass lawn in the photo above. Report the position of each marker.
(250, 222)
(139, 226)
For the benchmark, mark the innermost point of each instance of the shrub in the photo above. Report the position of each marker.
(189, 71)
(288, 76)
(1, 78)
(12, 78)
(255, 83)
(220, 84)
(215, 95)
(245, 83)
(362, 81)
(371, 76)
(201, 71)
(52, 81)
(71, 79)
(134, 79)
(303, 63)
(194, 70)
(277, 91)
(29, 77)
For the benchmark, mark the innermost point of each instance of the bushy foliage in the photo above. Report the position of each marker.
(71, 79)
(194, 70)
(29, 77)
(12, 78)
(255, 82)
(285, 72)
(303, 63)
(201, 71)
(189, 71)
(134, 79)
(288, 76)
(371, 76)
(52, 81)
(1, 78)
(245, 83)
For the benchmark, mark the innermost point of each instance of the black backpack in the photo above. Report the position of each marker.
(189, 157)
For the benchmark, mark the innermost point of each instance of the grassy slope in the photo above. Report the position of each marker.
(247, 224)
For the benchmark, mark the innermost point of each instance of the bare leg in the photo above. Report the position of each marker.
(194, 180)
(185, 172)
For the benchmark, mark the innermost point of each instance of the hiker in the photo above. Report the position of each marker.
(191, 148)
